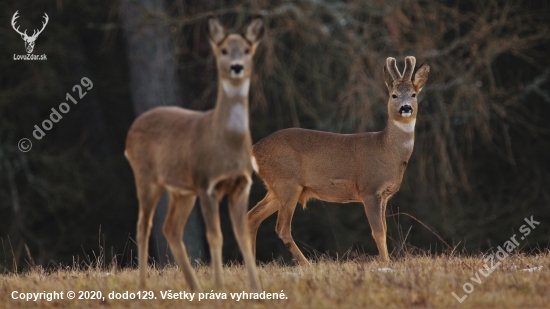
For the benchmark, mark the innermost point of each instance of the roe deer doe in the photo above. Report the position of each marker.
(298, 164)
(204, 154)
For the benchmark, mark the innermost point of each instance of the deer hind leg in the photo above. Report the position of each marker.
(178, 212)
(148, 196)
(211, 215)
(265, 208)
(238, 204)
(384, 204)
(374, 207)
(288, 197)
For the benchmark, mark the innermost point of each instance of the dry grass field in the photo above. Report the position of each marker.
(519, 281)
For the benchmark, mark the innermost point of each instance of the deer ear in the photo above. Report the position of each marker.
(255, 30)
(216, 31)
(421, 76)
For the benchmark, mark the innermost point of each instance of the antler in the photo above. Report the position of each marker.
(43, 26)
(392, 68)
(13, 24)
(410, 62)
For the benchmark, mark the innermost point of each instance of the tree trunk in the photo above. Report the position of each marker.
(154, 82)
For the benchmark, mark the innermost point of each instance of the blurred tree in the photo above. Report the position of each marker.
(154, 82)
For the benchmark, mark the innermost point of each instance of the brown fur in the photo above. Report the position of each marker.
(298, 164)
(204, 154)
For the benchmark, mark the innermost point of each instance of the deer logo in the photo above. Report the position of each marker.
(29, 40)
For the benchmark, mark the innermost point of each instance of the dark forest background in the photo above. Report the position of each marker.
(479, 167)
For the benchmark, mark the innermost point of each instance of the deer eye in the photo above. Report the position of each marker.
(394, 96)
(224, 51)
(414, 95)
(247, 51)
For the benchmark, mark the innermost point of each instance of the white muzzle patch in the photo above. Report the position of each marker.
(406, 110)
(235, 75)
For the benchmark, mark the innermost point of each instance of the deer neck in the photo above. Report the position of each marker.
(399, 136)
(231, 112)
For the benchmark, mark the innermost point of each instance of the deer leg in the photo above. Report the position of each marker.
(384, 204)
(211, 215)
(374, 206)
(288, 201)
(148, 196)
(258, 214)
(238, 204)
(178, 212)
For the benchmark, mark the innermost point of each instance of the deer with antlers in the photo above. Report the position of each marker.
(29, 40)
(297, 164)
(204, 154)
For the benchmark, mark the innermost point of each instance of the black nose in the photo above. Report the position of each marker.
(405, 109)
(237, 68)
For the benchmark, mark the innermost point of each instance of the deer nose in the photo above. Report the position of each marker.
(236, 68)
(405, 110)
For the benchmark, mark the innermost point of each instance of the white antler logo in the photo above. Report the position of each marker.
(29, 40)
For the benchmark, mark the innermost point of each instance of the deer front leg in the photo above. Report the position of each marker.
(178, 212)
(211, 215)
(288, 198)
(374, 207)
(258, 214)
(238, 204)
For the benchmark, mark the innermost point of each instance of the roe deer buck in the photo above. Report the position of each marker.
(204, 154)
(298, 164)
